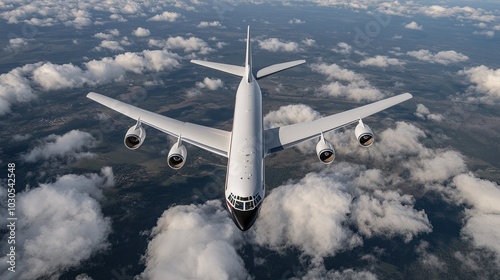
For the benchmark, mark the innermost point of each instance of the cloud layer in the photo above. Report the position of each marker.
(357, 88)
(21, 84)
(194, 242)
(60, 225)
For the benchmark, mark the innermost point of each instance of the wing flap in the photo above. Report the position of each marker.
(280, 138)
(211, 139)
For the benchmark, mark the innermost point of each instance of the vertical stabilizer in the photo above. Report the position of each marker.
(248, 60)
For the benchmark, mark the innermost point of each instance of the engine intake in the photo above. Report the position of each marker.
(325, 151)
(135, 136)
(177, 156)
(364, 134)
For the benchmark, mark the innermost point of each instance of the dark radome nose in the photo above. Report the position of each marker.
(244, 219)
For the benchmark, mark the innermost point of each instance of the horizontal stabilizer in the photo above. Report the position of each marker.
(228, 68)
(278, 68)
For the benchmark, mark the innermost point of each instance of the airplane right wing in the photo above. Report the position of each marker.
(279, 138)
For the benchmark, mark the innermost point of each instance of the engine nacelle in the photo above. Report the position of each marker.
(364, 134)
(135, 137)
(177, 156)
(325, 151)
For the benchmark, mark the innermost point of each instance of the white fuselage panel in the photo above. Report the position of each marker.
(245, 170)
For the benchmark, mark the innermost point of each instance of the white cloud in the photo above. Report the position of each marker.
(309, 42)
(413, 25)
(318, 213)
(141, 32)
(486, 81)
(20, 84)
(357, 89)
(290, 114)
(17, 44)
(70, 146)
(205, 24)
(276, 45)
(15, 88)
(202, 236)
(343, 48)
(166, 16)
(388, 214)
(310, 215)
(443, 57)
(211, 84)
(296, 21)
(60, 225)
(487, 33)
(191, 44)
(110, 45)
(483, 214)
(381, 61)
(424, 113)
(429, 260)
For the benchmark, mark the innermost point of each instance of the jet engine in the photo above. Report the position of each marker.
(325, 151)
(135, 136)
(364, 134)
(177, 155)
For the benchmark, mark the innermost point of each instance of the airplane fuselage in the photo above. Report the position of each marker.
(244, 190)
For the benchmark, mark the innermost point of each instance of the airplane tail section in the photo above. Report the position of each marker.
(248, 59)
(246, 71)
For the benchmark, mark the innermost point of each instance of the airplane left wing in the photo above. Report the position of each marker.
(279, 138)
(211, 139)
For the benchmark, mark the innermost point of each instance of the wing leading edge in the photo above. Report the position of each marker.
(279, 138)
(211, 139)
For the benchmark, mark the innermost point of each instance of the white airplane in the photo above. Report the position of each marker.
(248, 143)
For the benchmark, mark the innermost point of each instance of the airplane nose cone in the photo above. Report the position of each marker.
(244, 219)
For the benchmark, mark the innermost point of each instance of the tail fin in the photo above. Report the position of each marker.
(248, 60)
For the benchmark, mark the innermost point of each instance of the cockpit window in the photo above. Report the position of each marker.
(244, 203)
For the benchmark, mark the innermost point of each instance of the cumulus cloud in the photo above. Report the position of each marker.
(60, 225)
(308, 214)
(205, 24)
(486, 82)
(17, 44)
(482, 198)
(141, 32)
(191, 44)
(443, 57)
(413, 25)
(20, 84)
(381, 61)
(290, 114)
(309, 42)
(207, 83)
(276, 45)
(424, 113)
(202, 236)
(166, 16)
(357, 88)
(15, 88)
(110, 45)
(70, 146)
(211, 84)
(296, 21)
(343, 48)
(318, 213)
(388, 214)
